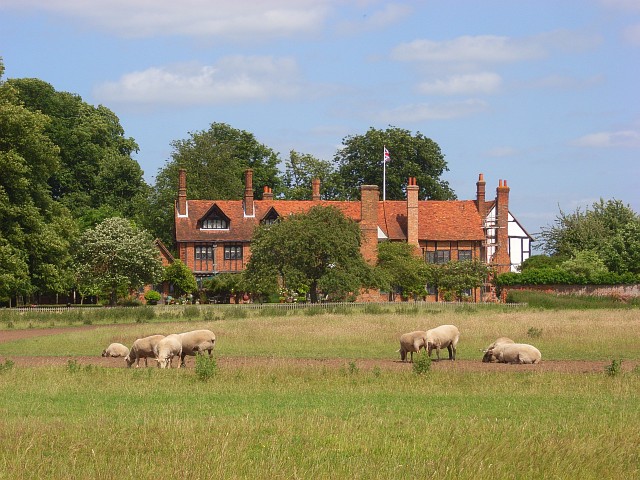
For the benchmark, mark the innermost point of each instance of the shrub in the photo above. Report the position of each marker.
(614, 369)
(152, 297)
(6, 366)
(73, 366)
(534, 332)
(206, 367)
(422, 364)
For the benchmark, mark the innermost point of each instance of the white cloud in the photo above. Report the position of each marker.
(503, 151)
(622, 138)
(232, 79)
(223, 18)
(632, 34)
(476, 83)
(423, 111)
(473, 51)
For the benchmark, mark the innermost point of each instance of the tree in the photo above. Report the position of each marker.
(96, 170)
(215, 161)
(300, 170)
(182, 279)
(610, 229)
(457, 277)
(318, 250)
(360, 163)
(401, 269)
(116, 255)
(37, 228)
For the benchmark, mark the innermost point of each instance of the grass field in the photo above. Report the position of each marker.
(284, 419)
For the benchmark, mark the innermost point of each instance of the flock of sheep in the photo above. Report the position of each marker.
(164, 348)
(503, 350)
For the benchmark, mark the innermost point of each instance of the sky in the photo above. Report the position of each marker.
(541, 93)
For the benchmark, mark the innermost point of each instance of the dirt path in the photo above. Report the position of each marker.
(248, 362)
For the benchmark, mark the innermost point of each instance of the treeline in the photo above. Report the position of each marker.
(67, 167)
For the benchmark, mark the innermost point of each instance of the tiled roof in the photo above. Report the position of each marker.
(438, 220)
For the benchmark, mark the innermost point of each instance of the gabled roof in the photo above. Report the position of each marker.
(438, 220)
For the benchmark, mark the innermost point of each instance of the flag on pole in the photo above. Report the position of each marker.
(386, 155)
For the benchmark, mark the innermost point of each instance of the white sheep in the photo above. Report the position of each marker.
(195, 342)
(441, 337)
(412, 342)
(499, 340)
(167, 348)
(115, 350)
(142, 348)
(513, 353)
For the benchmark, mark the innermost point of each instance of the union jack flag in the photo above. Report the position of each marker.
(387, 157)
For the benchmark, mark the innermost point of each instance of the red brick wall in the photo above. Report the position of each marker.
(369, 222)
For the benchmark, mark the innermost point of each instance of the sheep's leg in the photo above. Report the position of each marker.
(452, 355)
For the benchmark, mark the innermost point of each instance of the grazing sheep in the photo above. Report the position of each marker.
(195, 342)
(487, 356)
(142, 348)
(115, 350)
(513, 353)
(441, 337)
(167, 348)
(412, 342)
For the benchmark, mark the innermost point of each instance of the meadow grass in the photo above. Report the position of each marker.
(283, 419)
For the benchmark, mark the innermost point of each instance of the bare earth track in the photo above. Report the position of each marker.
(242, 362)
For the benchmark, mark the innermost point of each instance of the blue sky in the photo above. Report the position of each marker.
(541, 93)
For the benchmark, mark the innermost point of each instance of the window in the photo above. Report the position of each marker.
(270, 221)
(431, 290)
(204, 257)
(233, 252)
(214, 224)
(464, 255)
(439, 256)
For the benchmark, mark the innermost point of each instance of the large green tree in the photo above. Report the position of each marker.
(314, 251)
(360, 162)
(35, 230)
(115, 256)
(97, 176)
(609, 228)
(301, 169)
(399, 268)
(215, 160)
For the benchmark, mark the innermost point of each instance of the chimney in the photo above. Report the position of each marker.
(249, 210)
(412, 212)
(267, 194)
(480, 197)
(501, 258)
(315, 189)
(182, 192)
(369, 198)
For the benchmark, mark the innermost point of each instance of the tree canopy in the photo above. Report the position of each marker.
(400, 269)
(610, 230)
(116, 256)
(314, 251)
(360, 163)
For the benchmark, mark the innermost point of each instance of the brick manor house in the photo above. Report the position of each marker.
(214, 236)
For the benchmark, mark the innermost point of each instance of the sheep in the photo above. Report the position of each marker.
(513, 353)
(115, 350)
(441, 337)
(487, 355)
(167, 348)
(142, 348)
(195, 342)
(412, 342)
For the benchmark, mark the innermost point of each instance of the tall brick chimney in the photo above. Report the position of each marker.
(501, 258)
(249, 210)
(267, 194)
(412, 211)
(182, 192)
(315, 189)
(480, 197)
(369, 198)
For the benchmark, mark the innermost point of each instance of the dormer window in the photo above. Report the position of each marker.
(270, 218)
(214, 219)
(214, 224)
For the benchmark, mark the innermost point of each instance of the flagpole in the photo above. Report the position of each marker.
(384, 173)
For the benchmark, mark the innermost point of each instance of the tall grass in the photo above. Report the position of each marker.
(283, 421)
